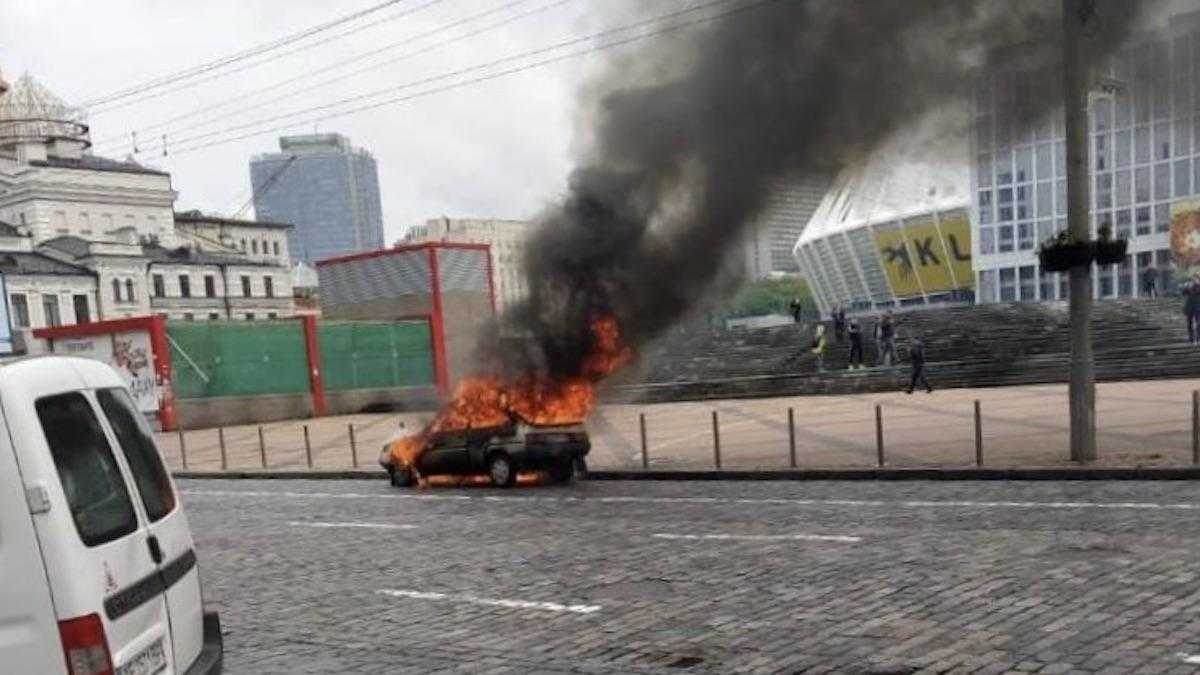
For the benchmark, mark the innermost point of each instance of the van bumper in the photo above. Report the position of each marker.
(212, 654)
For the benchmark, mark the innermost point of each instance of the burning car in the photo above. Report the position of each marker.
(498, 452)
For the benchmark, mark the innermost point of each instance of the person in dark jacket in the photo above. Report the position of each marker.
(856, 345)
(916, 356)
(886, 335)
(1191, 313)
(797, 309)
(839, 323)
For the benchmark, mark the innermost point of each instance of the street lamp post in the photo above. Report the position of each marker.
(1076, 14)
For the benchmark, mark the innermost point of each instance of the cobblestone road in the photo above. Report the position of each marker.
(357, 577)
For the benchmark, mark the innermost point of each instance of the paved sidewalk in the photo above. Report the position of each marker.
(1139, 423)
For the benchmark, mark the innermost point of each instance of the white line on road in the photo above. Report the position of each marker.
(365, 526)
(1189, 659)
(704, 500)
(761, 537)
(493, 602)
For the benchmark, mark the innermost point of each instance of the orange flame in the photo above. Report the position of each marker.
(483, 402)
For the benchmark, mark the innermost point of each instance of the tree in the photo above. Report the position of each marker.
(767, 296)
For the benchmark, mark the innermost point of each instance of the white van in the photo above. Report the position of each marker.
(97, 568)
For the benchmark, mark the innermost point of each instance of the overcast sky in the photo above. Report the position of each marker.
(499, 148)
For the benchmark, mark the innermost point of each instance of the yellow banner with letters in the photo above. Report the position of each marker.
(923, 256)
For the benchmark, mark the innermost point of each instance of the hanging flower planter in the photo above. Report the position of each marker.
(1111, 251)
(1063, 252)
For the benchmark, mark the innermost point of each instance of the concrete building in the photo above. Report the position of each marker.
(894, 229)
(768, 246)
(1144, 167)
(85, 238)
(506, 239)
(326, 188)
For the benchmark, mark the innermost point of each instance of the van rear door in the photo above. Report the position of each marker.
(28, 630)
(97, 549)
(170, 538)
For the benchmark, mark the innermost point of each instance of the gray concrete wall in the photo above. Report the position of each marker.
(229, 411)
(401, 399)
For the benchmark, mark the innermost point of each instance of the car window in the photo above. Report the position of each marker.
(137, 443)
(96, 491)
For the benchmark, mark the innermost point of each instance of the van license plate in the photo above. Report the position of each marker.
(150, 661)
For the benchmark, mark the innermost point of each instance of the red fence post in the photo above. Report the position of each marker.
(316, 382)
(162, 369)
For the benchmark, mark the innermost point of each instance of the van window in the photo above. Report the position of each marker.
(96, 492)
(137, 443)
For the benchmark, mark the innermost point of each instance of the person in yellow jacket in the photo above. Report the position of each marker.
(818, 347)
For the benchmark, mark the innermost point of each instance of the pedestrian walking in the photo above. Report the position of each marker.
(1191, 313)
(916, 357)
(818, 347)
(1150, 282)
(797, 309)
(886, 335)
(839, 323)
(856, 345)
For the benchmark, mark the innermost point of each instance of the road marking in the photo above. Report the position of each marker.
(761, 537)
(366, 526)
(493, 602)
(1189, 659)
(1145, 506)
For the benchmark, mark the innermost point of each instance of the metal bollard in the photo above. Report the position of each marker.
(879, 433)
(353, 448)
(221, 441)
(645, 451)
(716, 440)
(978, 435)
(307, 447)
(183, 449)
(1196, 427)
(792, 436)
(262, 447)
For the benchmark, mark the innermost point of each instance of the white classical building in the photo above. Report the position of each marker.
(85, 238)
(507, 239)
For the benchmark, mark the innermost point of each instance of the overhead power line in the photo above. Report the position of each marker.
(235, 58)
(190, 143)
(110, 141)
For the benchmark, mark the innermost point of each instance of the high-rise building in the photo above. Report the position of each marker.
(324, 186)
(1144, 167)
(768, 245)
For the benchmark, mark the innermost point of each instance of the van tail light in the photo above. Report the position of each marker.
(85, 646)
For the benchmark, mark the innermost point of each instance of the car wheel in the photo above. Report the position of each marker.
(581, 469)
(501, 470)
(401, 478)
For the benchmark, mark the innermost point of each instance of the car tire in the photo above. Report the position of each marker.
(581, 468)
(400, 478)
(501, 470)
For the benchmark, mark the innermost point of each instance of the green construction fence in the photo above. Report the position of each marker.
(370, 355)
(253, 358)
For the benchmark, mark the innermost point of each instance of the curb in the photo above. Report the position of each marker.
(1069, 473)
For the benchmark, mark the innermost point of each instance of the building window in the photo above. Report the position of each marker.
(185, 286)
(1028, 283)
(1106, 280)
(129, 290)
(1025, 236)
(159, 287)
(214, 317)
(265, 249)
(249, 316)
(210, 286)
(275, 247)
(1006, 239)
(116, 290)
(20, 307)
(50, 311)
(987, 240)
(243, 246)
(82, 315)
(1008, 285)
(189, 317)
(272, 315)
(269, 286)
(254, 246)
(987, 286)
(1125, 278)
(1047, 285)
(245, 287)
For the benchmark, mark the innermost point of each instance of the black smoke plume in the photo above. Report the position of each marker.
(685, 137)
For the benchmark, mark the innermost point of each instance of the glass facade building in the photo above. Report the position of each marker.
(327, 189)
(1144, 156)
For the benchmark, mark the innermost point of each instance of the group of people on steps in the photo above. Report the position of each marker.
(885, 337)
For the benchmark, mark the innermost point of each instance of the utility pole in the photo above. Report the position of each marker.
(1076, 15)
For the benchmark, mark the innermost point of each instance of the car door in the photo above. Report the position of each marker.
(169, 535)
(94, 541)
